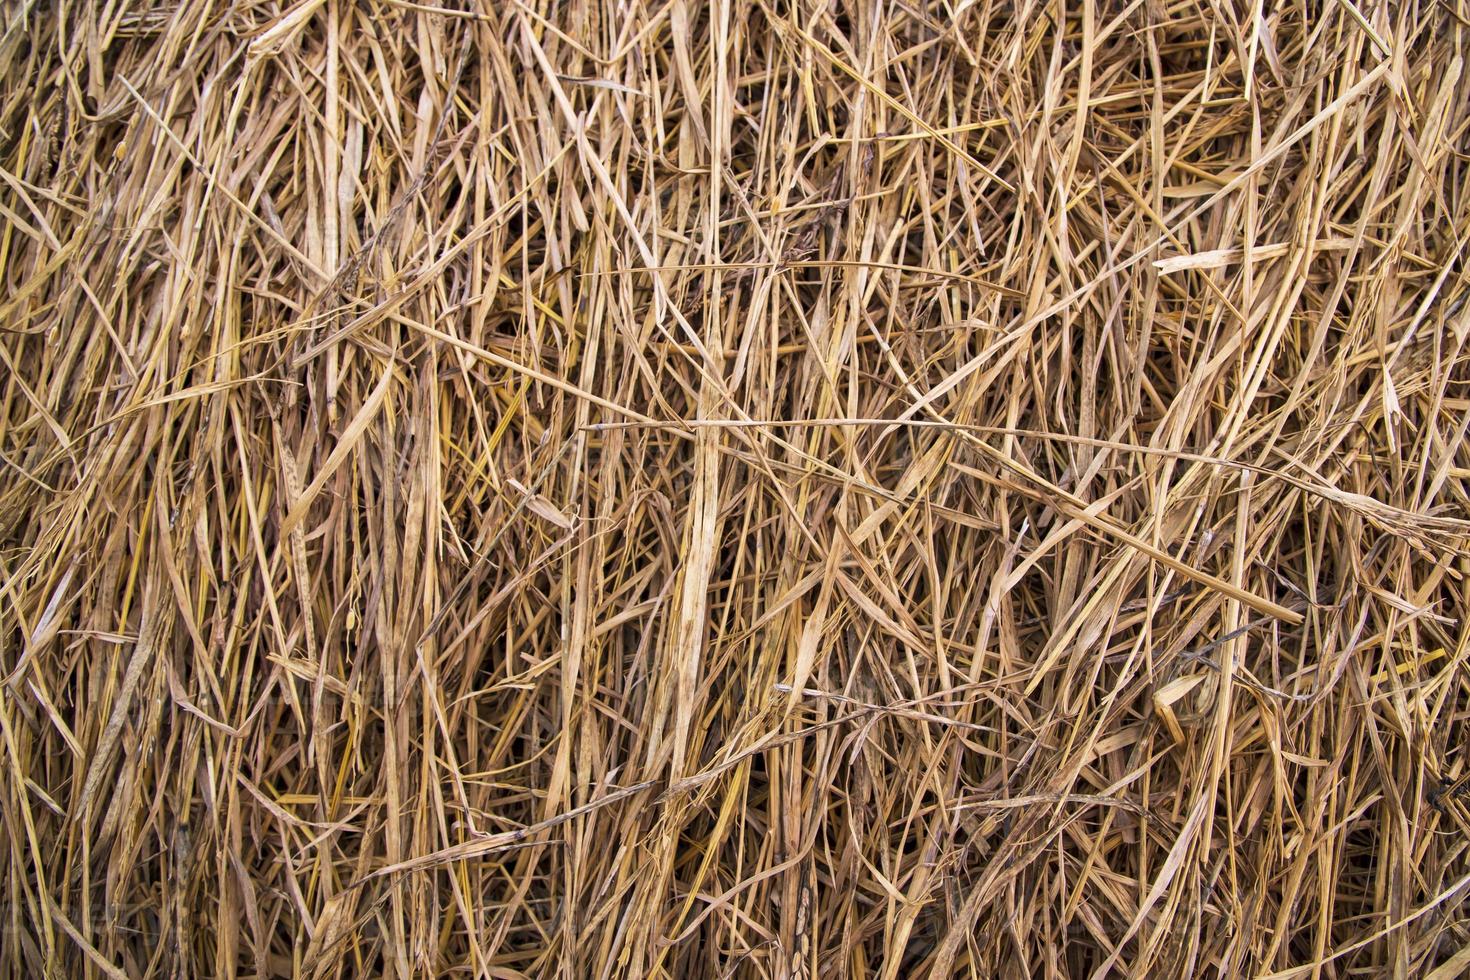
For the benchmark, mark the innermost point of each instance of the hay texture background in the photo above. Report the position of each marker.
(773, 489)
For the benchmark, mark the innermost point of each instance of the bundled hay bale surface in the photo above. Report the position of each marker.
(787, 488)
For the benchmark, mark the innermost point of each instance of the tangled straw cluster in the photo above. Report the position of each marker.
(777, 488)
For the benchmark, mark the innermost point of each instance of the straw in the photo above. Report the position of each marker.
(764, 489)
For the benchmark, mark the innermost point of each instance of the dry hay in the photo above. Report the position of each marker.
(798, 488)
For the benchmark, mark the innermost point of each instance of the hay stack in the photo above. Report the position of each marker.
(789, 488)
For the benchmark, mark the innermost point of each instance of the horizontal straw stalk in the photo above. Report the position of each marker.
(778, 488)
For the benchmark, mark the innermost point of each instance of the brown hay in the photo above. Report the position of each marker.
(795, 488)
